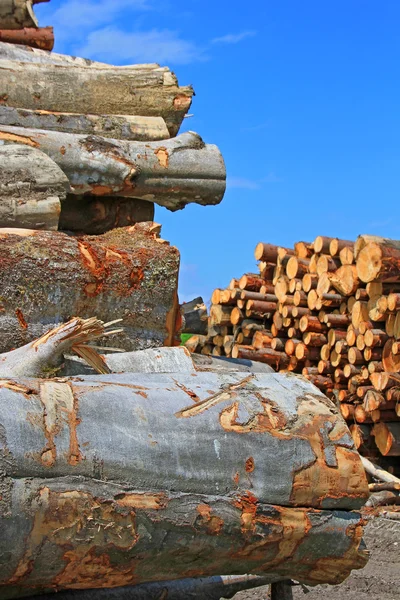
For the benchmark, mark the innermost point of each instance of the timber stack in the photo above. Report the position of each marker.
(329, 310)
(87, 150)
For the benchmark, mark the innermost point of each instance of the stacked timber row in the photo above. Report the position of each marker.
(86, 148)
(329, 310)
(19, 25)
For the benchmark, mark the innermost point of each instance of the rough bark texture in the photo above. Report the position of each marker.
(96, 215)
(113, 126)
(171, 173)
(36, 38)
(32, 187)
(150, 91)
(47, 278)
(17, 14)
(125, 479)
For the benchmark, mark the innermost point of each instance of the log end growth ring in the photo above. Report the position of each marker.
(369, 262)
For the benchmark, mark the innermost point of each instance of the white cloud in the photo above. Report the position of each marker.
(161, 46)
(233, 38)
(272, 178)
(89, 14)
(242, 183)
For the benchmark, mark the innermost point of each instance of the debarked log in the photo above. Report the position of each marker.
(17, 14)
(171, 173)
(152, 91)
(124, 479)
(46, 278)
(28, 54)
(122, 127)
(42, 38)
(32, 188)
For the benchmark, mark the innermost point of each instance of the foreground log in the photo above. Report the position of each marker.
(148, 90)
(17, 14)
(42, 38)
(171, 173)
(379, 259)
(46, 277)
(102, 484)
(126, 127)
(32, 188)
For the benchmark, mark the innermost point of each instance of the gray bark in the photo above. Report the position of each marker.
(195, 317)
(122, 127)
(171, 173)
(17, 14)
(95, 215)
(126, 479)
(151, 91)
(32, 188)
(281, 591)
(46, 278)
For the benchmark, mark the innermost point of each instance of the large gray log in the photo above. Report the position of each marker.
(171, 173)
(151, 92)
(17, 14)
(46, 278)
(162, 360)
(32, 187)
(122, 127)
(94, 215)
(119, 480)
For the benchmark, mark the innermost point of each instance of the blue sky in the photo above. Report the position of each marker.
(302, 97)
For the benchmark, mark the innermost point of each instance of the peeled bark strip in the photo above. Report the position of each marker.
(151, 92)
(46, 277)
(17, 14)
(94, 215)
(107, 503)
(121, 127)
(42, 38)
(171, 173)
(32, 188)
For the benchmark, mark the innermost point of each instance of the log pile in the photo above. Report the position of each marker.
(329, 310)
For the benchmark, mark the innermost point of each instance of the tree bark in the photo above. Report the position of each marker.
(47, 277)
(94, 215)
(124, 479)
(281, 591)
(42, 38)
(27, 54)
(32, 188)
(172, 173)
(17, 14)
(151, 91)
(196, 319)
(125, 127)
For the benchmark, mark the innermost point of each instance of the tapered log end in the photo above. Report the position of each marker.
(369, 262)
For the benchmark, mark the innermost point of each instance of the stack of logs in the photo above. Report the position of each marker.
(87, 150)
(329, 310)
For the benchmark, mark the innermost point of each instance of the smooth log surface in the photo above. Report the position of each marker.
(24, 54)
(124, 479)
(47, 277)
(151, 91)
(171, 173)
(121, 127)
(42, 38)
(17, 14)
(32, 188)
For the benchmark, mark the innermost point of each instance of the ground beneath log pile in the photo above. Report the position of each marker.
(379, 580)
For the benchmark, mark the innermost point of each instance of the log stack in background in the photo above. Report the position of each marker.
(329, 310)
